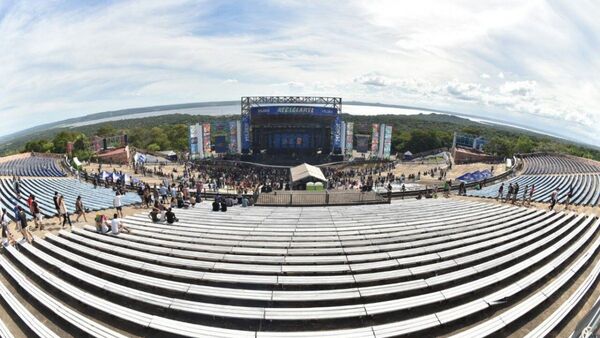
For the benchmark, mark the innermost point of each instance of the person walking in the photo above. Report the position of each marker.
(531, 191)
(553, 197)
(569, 196)
(118, 204)
(509, 192)
(525, 194)
(7, 237)
(500, 192)
(64, 212)
(22, 225)
(79, 209)
(34, 208)
(55, 199)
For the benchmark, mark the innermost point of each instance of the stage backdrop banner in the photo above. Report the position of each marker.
(362, 143)
(387, 146)
(375, 139)
(221, 144)
(206, 139)
(349, 137)
(246, 134)
(233, 140)
(293, 110)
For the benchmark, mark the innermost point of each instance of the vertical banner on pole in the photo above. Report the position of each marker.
(387, 148)
(336, 130)
(349, 137)
(239, 136)
(381, 140)
(193, 143)
(375, 139)
(343, 138)
(200, 139)
(246, 134)
(206, 139)
(233, 146)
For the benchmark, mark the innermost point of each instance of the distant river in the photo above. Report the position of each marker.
(235, 110)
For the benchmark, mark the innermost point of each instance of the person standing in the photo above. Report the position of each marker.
(118, 204)
(79, 209)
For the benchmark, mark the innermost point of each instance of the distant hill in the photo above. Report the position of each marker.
(109, 114)
(15, 141)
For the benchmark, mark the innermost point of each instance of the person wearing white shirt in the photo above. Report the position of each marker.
(116, 225)
(118, 204)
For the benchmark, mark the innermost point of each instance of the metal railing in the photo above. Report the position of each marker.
(322, 198)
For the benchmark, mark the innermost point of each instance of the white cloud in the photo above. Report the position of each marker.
(518, 88)
(68, 61)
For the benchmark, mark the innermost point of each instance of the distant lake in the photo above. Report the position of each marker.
(235, 110)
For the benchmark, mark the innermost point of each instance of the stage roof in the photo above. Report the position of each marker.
(306, 171)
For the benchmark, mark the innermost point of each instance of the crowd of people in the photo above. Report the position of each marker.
(514, 194)
(185, 188)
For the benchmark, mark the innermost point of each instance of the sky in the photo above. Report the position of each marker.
(533, 63)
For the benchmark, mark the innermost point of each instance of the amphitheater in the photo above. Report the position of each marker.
(459, 267)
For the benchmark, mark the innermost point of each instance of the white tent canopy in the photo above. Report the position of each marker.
(307, 172)
(76, 161)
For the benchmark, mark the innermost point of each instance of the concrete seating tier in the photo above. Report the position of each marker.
(547, 173)
(44, 188)
(558, 164)
(27, 165)
(410, 267)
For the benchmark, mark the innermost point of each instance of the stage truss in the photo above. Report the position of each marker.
(249, 102)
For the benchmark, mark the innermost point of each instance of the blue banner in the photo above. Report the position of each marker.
(221, 144)
(293, 110)
(336, 135)
(246, 142)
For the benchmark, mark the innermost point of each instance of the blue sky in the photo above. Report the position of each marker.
(532, 63)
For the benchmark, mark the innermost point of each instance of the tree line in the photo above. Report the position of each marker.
(416, 133)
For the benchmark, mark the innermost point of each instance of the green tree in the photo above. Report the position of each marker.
(524, 145)
(106, 130)
(61, 139)
(500, 147)
(153, 147)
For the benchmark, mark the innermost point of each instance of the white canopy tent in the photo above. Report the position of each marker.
(305, 173)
